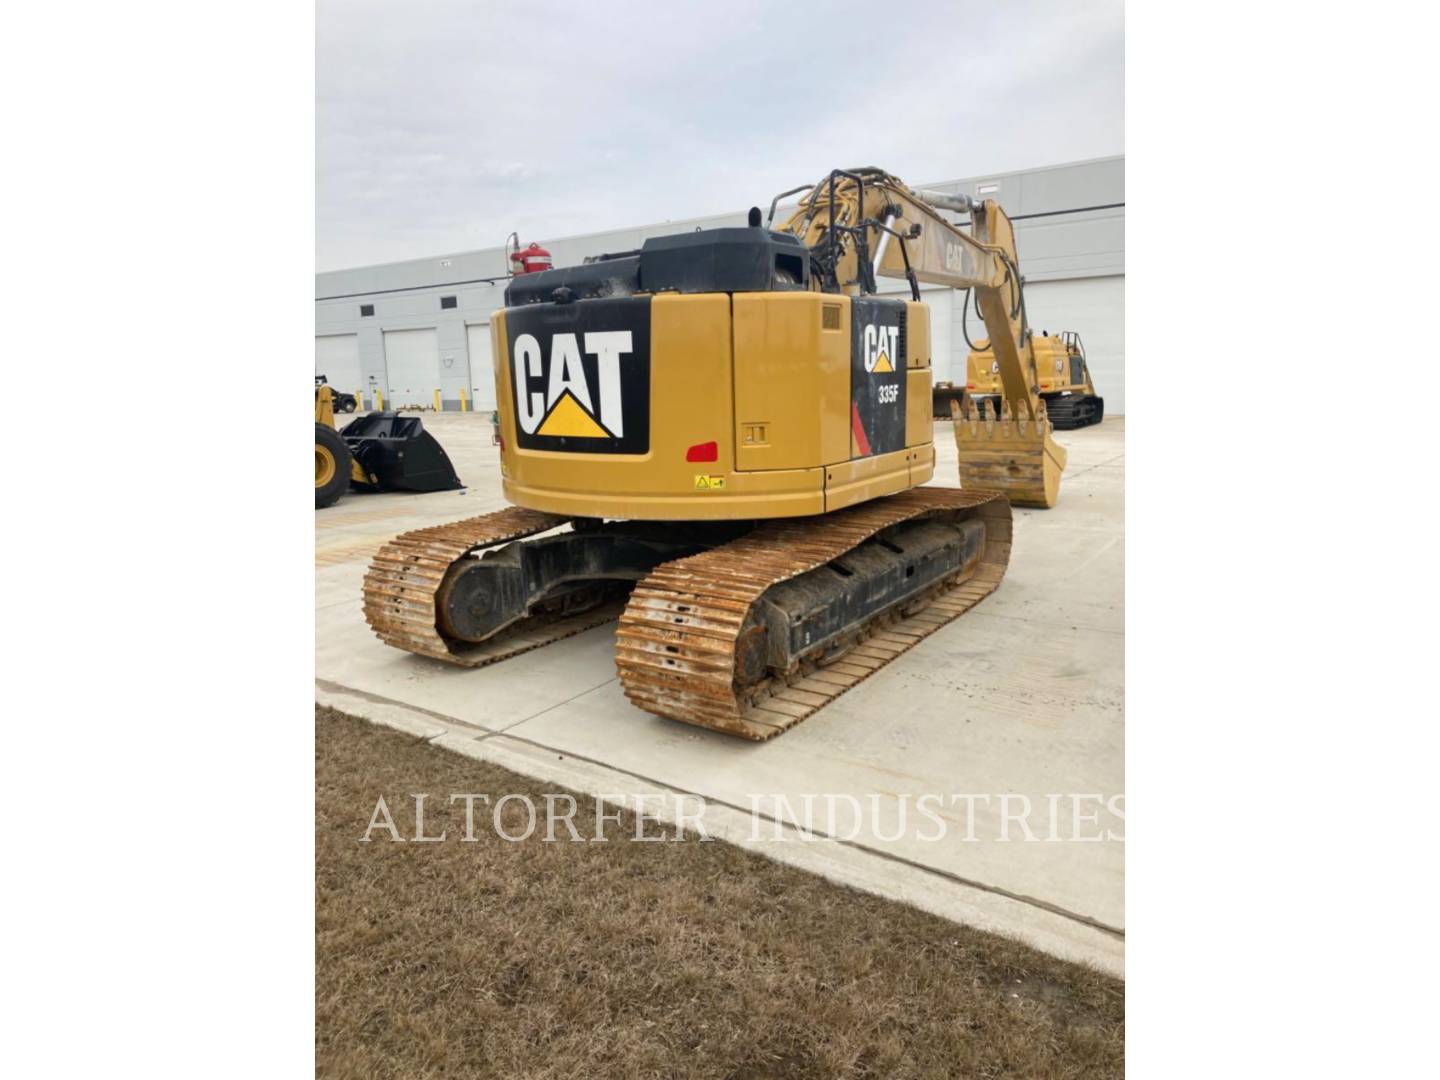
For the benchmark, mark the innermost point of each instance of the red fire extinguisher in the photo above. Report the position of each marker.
(530, 260)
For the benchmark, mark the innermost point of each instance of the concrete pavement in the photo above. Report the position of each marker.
(1017, 706)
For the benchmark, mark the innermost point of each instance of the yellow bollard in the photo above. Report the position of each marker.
(379, 400)
(437, 400)
(464, 405)
(359, 399)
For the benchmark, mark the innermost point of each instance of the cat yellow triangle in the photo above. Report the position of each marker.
(568, 418)
(883, 364)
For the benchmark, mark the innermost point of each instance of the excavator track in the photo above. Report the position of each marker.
(405, 577)
(1070, 411)
(681, 649)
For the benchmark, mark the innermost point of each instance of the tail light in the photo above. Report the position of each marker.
(705, 451)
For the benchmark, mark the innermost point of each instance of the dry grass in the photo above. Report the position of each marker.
(647, 960)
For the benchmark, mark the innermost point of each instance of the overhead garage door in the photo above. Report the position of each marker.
(1096, 308)
(482, 367)
(940, 331)
(337, 357)
(412, 366)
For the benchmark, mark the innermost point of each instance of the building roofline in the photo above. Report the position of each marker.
(681, 222)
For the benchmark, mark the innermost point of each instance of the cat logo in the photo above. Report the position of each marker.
(580, 375)
(565, 406)
(880, 347)
(958, 260)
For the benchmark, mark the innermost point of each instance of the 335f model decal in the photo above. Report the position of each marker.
(877, 376)
(581, 375)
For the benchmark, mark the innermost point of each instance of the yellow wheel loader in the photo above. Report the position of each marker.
(378, 452)
(1060, 375)
(720, 439)
(333, 466)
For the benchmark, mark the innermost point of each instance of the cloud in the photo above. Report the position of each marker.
(442, 125)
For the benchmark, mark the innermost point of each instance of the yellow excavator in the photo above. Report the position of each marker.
(720, 439)
(1061, 376)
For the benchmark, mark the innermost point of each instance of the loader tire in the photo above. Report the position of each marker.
(332, 466)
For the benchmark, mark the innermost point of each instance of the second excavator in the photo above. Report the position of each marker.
(1061, 376)
(721, 439)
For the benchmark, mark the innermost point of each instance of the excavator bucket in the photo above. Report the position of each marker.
(1004, 453)
(395, 453)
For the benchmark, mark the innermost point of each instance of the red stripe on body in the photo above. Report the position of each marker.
(858, 430)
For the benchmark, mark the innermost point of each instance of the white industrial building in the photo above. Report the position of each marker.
(421, 328)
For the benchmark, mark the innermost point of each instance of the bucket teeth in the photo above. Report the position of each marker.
(1016, 455)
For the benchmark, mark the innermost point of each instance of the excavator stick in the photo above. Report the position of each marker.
(1006, 453)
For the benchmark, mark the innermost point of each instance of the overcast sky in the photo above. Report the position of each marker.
(442, 125)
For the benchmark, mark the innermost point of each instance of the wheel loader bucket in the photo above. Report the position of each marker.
(395, 453)
(1016, 456)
